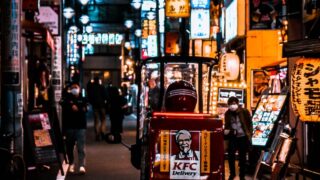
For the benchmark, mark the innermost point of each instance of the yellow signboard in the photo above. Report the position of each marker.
(305, 89)
(164, 151)
(177, 8)
(205, 152)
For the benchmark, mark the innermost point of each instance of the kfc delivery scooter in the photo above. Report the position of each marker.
(177, 136)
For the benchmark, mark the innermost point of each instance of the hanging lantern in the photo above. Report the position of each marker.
(230, 65)
(305, 89)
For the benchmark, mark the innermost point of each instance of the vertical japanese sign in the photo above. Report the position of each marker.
(305, 89)
(205, 151)
(152, 46)
(164, 151)
(200, 23)
(177, 8)
(231, 23)
(149, 42)
(12, 66)
(56, 69)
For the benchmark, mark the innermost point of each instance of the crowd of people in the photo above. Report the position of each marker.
(104, 101)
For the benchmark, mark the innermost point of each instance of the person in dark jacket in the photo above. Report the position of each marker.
(74, 126)
(154, 93)
(97, 98)
(238, 129)
(117, 105)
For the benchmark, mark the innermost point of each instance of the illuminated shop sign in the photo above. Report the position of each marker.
(234, 20)
(209, 48)
(195, 4)
(152, 46)
(148, 28)
(177, 8)
(101, 38)
(148, 5)
(305, 89)
(72, 48)
(231, 21)
(161, 20)
(200, 24)
(226, 93)
(222, 22)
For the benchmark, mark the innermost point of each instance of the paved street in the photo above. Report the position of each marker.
(109, 161)
(112, 161)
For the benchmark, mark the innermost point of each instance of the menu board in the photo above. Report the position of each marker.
(226, 93)
(266, 114)
(41, 138)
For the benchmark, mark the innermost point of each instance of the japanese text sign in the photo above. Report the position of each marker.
(200, 24)
(177, 8)
(305, 89)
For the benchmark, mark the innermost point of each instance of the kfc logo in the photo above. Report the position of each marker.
(184, 166)
(184, 161)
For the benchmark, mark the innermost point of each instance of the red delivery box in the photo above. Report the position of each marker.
(185, 146)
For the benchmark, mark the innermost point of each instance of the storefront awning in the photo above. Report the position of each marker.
(303, 47)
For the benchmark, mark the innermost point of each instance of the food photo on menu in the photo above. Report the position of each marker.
(263, 119)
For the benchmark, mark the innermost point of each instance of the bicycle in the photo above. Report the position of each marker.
(12, 165)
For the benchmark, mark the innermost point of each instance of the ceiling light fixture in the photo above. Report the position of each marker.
(68, 12)
(136, 4)
(138, 32)
(84, 19)
(89, 29)
(128, 23)
(84, 2)
(151, 15)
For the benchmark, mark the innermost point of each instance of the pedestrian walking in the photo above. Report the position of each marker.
(74, 126)
(238, 130)
(97, 98)
(117, 105)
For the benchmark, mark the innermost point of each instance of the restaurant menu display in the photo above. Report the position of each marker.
(266, 114)
(41, 137)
